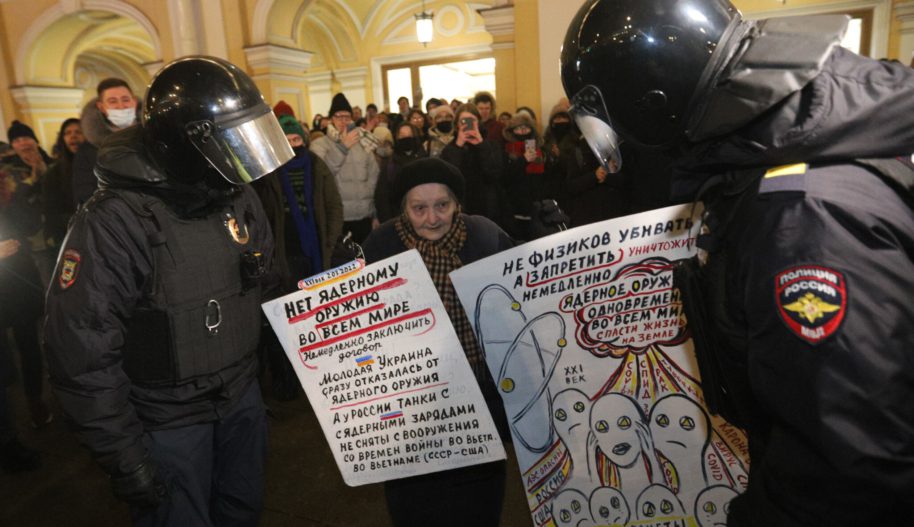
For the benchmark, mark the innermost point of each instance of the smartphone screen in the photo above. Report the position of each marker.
(467, 124)
(530, 146)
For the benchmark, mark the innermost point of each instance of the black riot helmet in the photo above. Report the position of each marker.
(203, 112)
(636, 70)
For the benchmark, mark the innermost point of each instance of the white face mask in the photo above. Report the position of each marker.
(122, 118)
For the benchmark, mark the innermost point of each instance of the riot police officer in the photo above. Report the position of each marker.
(153, 315)
(800, 304)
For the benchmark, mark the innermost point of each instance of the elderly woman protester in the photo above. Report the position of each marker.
(430, 191)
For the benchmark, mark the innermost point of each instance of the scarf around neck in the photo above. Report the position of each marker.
(441, 257)
(368, 140)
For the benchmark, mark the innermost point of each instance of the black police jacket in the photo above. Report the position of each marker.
(807, 296)
(150, 321)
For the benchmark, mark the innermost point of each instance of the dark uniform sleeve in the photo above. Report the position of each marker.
(824, 282)
(99, 278)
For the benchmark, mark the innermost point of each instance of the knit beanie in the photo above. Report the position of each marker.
(283, 108)
(290, 125)
(339, 104)
(428, 170)
(19, 130)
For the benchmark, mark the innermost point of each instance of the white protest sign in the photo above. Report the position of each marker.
(585, 337)
(384, 371)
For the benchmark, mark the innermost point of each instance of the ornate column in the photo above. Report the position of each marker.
(45, 107)
(499, 21)
(280, 73)
(904, 14)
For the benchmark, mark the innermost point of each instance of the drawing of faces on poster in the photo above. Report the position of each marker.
(585, 335)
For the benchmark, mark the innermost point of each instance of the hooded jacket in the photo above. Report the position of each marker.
(96, 128)
(806, 289)
(108, 271)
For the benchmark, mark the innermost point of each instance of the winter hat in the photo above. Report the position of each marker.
(383, 134)
(428, 170)
(19, 130)
(440, 110)
(339, 104)
(520, 119)
(290, 125)
(283, 108)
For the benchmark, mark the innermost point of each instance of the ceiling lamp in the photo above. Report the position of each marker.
(424, 28)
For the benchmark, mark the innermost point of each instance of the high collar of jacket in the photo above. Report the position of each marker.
(95, 125)
(853, 108)
(124, 163)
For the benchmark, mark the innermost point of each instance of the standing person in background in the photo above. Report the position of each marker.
(492, 129)
(430, 221)
(114, 108)
(30, 164)
(21, 288)
(28, 159)
(57, 190)
(349, 153)
(504, 117)
(407, 148)
(560, 143)
(305, 211)
(441, 133)
(371, 112)
(356, 113)
(481, 163)
(402, 113)
(14, 456)
(525, 174)
(418, 120)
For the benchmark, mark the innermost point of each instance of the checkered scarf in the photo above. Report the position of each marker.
(441, 257)
(368, 140)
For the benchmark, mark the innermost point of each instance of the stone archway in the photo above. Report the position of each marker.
(69, 48)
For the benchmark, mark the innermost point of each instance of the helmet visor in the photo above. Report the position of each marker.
(590, 115)
(242, 149)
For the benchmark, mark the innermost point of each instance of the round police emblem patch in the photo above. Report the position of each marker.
(811, 300)
(69, 268)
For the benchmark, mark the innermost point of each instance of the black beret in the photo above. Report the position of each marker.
(428, 170)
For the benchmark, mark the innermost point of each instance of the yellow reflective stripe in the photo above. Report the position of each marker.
(787, 170)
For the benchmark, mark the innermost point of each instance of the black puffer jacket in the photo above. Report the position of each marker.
(807, 293)
(106, 274)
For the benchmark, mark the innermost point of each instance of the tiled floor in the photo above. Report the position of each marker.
(303, 488)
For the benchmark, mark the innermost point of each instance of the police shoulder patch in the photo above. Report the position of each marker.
(69, 268)
(811, 300)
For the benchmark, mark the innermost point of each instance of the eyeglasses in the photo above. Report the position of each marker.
(343, 116)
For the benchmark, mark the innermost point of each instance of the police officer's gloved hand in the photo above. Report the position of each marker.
(141, 487)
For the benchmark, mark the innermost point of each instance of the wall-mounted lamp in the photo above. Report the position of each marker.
(424, 28)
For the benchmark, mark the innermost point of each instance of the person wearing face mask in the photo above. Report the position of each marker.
(560, 143)
(481, 163)
(525, 173)
(115, 108)
(442, 132)
(408, 147)
(305, 211)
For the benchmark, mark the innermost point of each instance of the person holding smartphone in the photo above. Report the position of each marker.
(349, 152)
(481, 163)
(525, 173)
